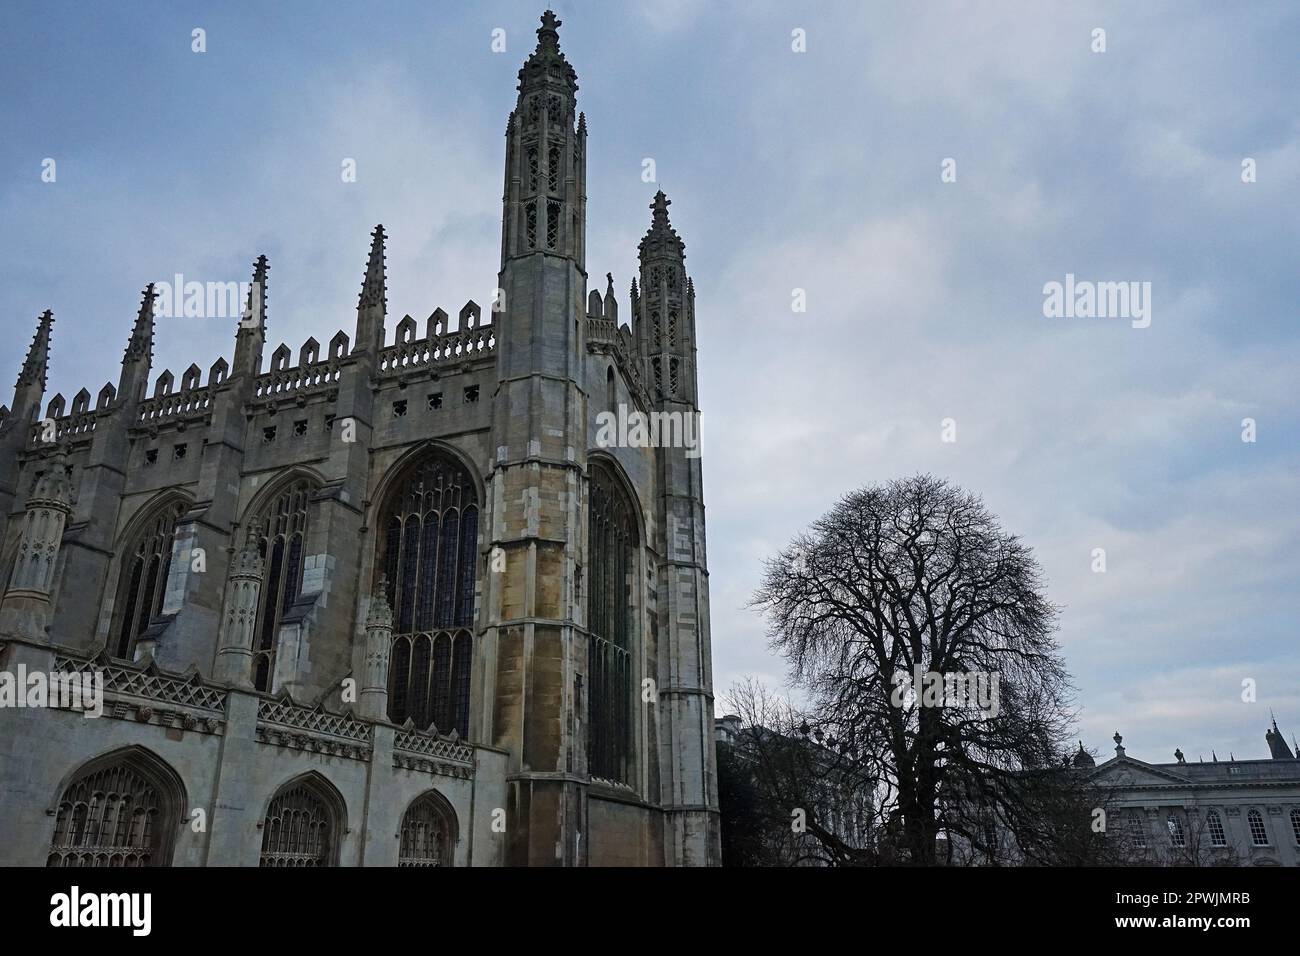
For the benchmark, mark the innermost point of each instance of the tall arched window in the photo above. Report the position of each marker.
(1215, 824)
(283, 524)
(1295, 825)
(121, 810)
(428, 553)
(1177, 836)
(143, 579)
(611, 550)
(428, 832)
(1258, 835)
(302, 825)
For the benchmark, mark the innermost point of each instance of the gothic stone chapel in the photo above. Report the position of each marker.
(434, 623)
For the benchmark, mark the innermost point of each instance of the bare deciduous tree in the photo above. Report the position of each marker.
(916, 578)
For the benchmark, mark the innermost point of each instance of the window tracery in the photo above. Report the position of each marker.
(612, 539)
(143, 581)
(429, 556)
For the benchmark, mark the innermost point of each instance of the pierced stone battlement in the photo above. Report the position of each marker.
(318, 376)
(439, 346)
(175, 405)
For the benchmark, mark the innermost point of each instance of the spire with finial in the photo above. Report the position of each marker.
(544, 201)
(252, 324)
(374, 290)
(140, 345)
(138, 357)
(661, 239)
(36, 365)
(372, 304)
(547, 63)
(1277, 747)
(548, 34)
(255, 306)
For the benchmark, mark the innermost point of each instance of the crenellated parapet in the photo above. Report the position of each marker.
(606, 337)
(224, 546)
(187, 406)
(307, 378)
(440, 346)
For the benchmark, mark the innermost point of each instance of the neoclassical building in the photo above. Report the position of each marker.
(1204, 813)
(382, 602)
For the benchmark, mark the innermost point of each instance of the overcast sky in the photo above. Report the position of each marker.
(820, 171)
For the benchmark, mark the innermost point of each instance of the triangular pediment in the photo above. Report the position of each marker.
(1127, 772)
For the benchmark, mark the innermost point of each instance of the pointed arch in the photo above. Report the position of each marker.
(282, 513)
(614, 536)
(620, 476)
(303, 823)
(120, 809)
(400, 468)
(429, 832)
(427, 551)
(144, 554)
(273, 488)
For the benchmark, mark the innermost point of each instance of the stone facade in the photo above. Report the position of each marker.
(390, 602)
(1221, 813)
(1204, 813)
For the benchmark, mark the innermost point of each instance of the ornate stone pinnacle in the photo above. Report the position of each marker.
(54, 489)
(380, 615)
(660, 206)
(255, 307)
(661, 239)
(254, 534)
(140, 344)
(539, 70)
(548, 36)
(374, 290)
(38, 355)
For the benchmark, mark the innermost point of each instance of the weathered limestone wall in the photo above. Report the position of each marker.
(231, 764)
